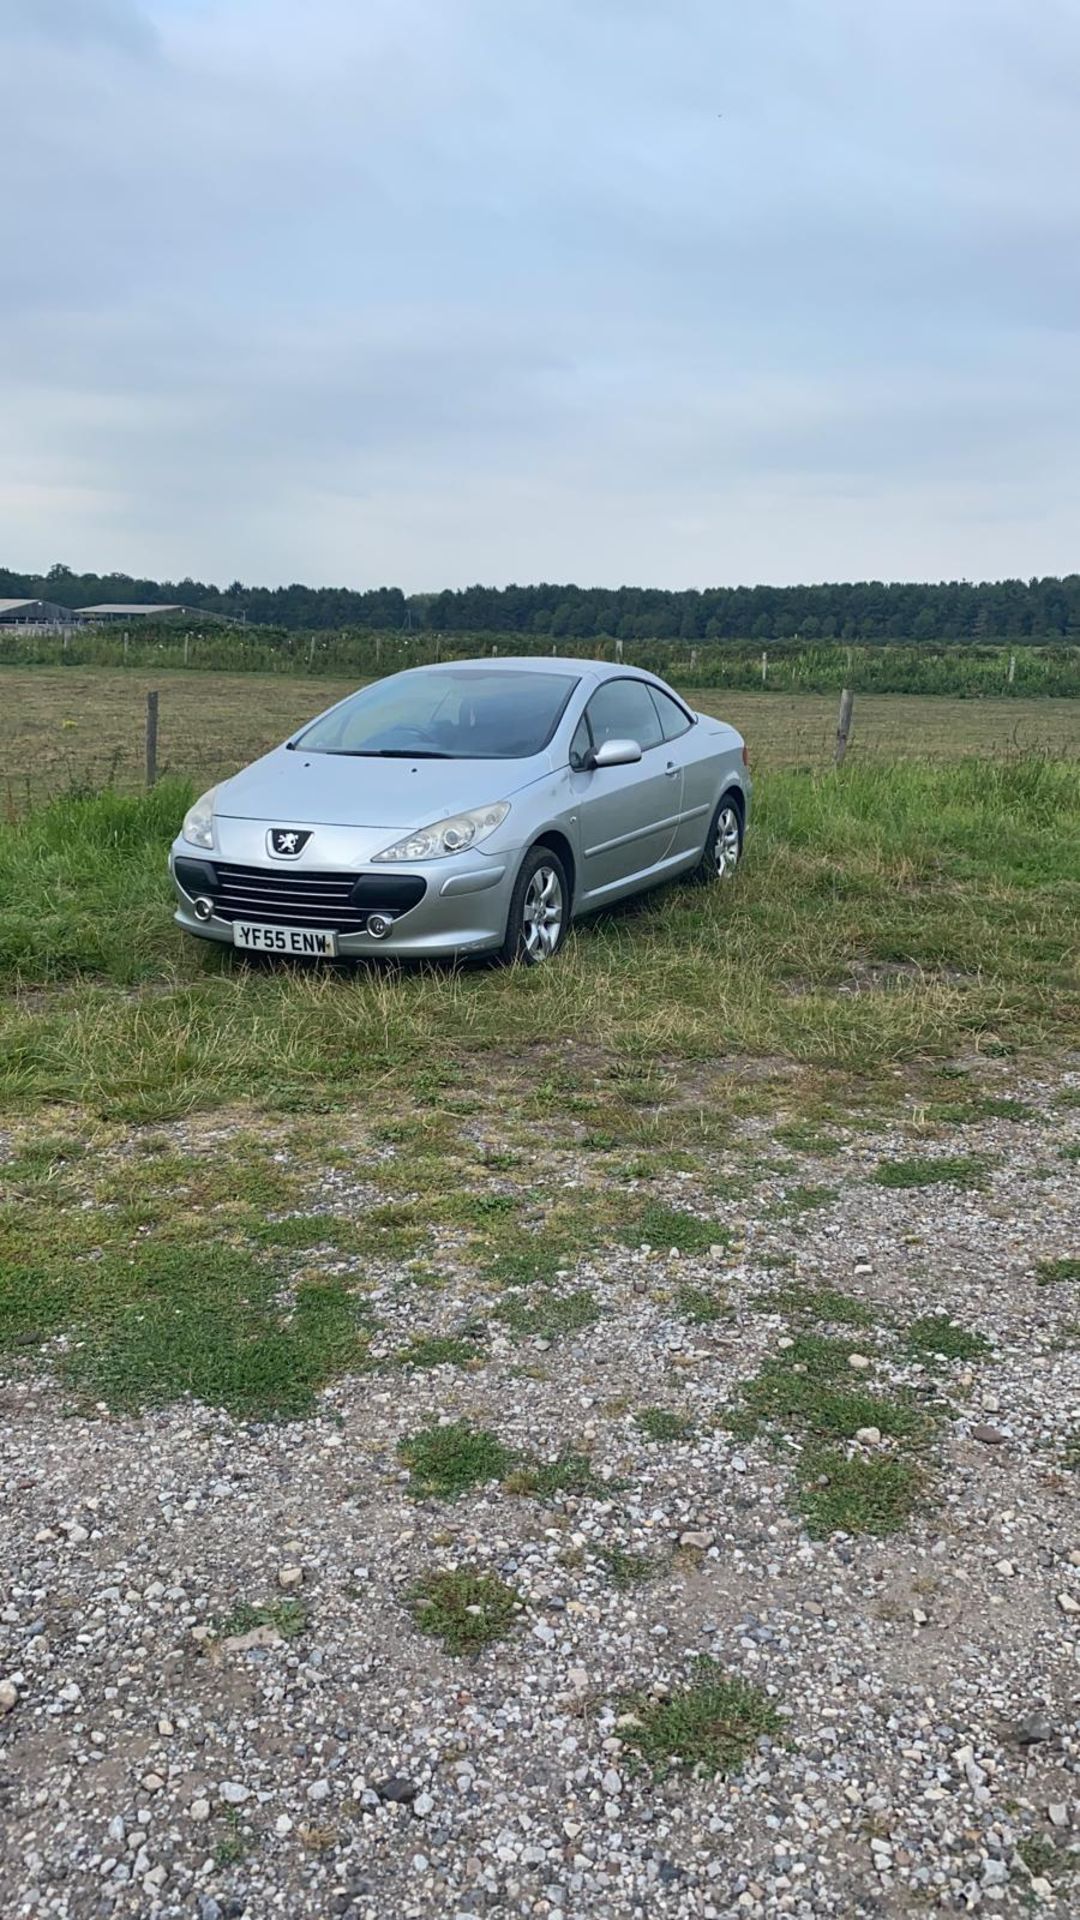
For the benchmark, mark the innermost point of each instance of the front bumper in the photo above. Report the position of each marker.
(464, 907)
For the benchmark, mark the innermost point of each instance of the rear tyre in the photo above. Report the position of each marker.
(724, 845)
(539, 910)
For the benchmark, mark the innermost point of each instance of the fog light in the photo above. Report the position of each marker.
(203, 907)
(379, 925)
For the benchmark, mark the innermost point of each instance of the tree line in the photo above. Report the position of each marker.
(1039, 611)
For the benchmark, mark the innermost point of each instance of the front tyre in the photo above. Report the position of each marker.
(724, 845)
(539, 910)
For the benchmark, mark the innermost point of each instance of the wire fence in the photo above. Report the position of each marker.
(87, 729)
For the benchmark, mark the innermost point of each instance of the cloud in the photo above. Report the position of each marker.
(439, 290)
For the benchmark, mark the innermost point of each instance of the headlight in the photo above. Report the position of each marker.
(198, 825)
(448, 836)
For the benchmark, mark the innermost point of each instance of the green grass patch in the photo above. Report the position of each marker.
(802, 1136)
(811, 1388)
(464, 1609)
(826, 1305)
(936, 1337)
(709, 1725)
(876, 1495)
(569, 1472)
(627, 1570)
(444, 1462)
(1051, 1273)
(289, 1618)
(656, 1225)
(954, 1170)
(700, 1306)
(660, 1424)
(802, 1200)
(425, 1351)
(548, 1315)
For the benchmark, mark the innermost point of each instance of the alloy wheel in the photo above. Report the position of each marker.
(726, 844)
(542, 913)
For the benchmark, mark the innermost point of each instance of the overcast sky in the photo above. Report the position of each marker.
(677, 292)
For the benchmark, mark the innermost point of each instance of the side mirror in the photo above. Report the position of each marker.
(616, 753)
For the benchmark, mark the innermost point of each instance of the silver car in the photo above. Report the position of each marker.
(476, 807)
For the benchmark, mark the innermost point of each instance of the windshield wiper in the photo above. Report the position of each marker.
(392, 753)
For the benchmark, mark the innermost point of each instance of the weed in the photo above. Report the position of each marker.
(437, 1350)
(289, 1618)
(447, 1461)
(464, 1609)
(936, 1337)
(957, 1170)
(547, 1314)
(699, 1306)
(1048, 1273)
(627, 1570)
(802, 1200)
(657, 1423)
(811, 1388)
(856, 1494)
(802, 1136)
(569, 1472)
(661, 1226)
(709, 1725)
(821, 1304)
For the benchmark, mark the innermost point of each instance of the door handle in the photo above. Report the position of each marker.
(671, 769)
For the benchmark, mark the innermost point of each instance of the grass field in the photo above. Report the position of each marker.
(84, 726)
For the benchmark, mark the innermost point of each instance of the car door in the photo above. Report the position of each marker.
(627, 816)
(688, 743)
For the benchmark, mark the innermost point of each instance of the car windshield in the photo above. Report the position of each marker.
(448, 714)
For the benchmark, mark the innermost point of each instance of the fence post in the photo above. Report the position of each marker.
(311, 650)
(693, 658)
(764, 667)
(125, 648)
(187, 647)
(843, 725)
(151, 738)
(618, 649)
(378, 649)
(1012, 668)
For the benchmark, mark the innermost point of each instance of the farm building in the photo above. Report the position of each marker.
(128, 610)
(34, 613)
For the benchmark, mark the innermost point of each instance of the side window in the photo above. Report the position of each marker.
(623, 710)
(672, 718)
(580, 745)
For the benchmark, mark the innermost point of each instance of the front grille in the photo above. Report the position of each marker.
(341, 901)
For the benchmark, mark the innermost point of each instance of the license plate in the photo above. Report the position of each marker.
(300, 940)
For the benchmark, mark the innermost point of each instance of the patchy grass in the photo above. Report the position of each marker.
(811, 1388)
(803, 1136)
(1050, 1273)
(289, 1618)
(445, 1462)
(936, 1337)
(569, 1472)
(700, 1305)
(838, 1492)
(709, 1725)
(626, 1570)
(665, 1227)
(953, 1170)
(464, 1609)
(425, 1351)
(825, 1305)
(802, 1200)
(549, 1315)
(660, 1424)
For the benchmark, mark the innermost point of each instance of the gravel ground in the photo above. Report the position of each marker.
(155, 1763)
